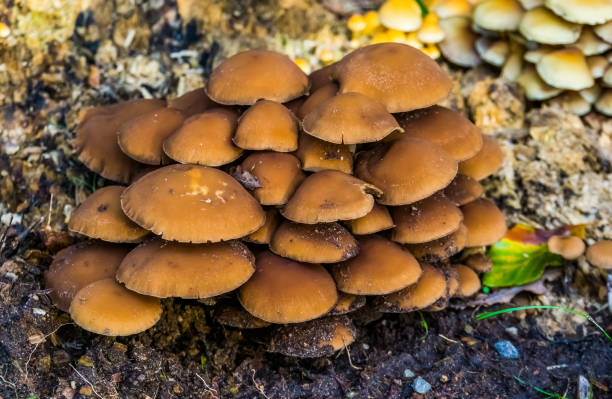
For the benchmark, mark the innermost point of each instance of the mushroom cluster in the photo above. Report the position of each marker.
(289, 198)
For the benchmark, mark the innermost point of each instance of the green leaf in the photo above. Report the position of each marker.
(423, 6)
(517, 263)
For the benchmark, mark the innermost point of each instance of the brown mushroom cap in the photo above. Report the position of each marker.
(350, 118)
(459, 44)
(107, 308)
(193, 102)
(285, 291)
(96, 139)
(205, 139)
(79, 265)
(570, 247)
(406, 170)
(232, 315)
(348, 303)
(272, 176)
(430, 287)
(486, 224)
(321, 77)
(318, 97)
(479, 262)
(469, 283)
(588, 12)
(444, 127)
(396, 75)
(249, 76)
(329, 196)
(381, 267)
(442, 248)
(168, 269)
(267, 125)
(100, 216)
(191, 203)
(317, 155)
(463, 189)
(264, 234)
(378, 219)
(486, 162)
(426, 220)
(600, 254)
(313, 243)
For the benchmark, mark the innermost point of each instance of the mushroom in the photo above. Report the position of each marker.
(430, 287)
(590, 44)
(479, 262)
(574, 102)
(597, 65)
(484, 221)
(463, 189)
(267, 125)
(264, 234)
(485, 162)
(543, 26)
(232, 315)
(604, 31)
(493, 51)
(318, 97)
(442, 248)
(469, 283)
(566, 69)
(604, 103)
(570, 247)
(459, 41)
(321, 77)
(347, 303)
(600, 255)
(588, 12)
(430, 32)
(317, 155)
(535, 88)
(402, 15)
(452, 8)
(498, 15)
(378, 219)
(193, 102)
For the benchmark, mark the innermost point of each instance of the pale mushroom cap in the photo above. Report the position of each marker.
(463, 189)
(249, 76)
(604, 103)
(529, 4)
(267, 125)
(396, 75)
(317, 155)
(590, 44)
(191, 203)
(566, 69)
(381, 267)
(534, 56)
(107, 308)
(513, 65)
(588, 12)
(285, 291)
(479, 262)
(498, 15)
(264, 234)
(329, 196)
(604, 31)
(535, 88)
(469, 283)
(100, 216)
(401, 15)
(430, 287)
(607, 76)
(459, 44)
(597, 65)
(78, 265)
(486, 224)
(442, 248)
(495, 52)
(570, 247)
(318, 97)
(486, 162)
(193, 102)
(543, 26)
(574, 102)
(452, 8)
(168, 269)
(378, 219)
(600, 254)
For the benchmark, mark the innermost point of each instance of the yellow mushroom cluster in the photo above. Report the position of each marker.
(293, 200)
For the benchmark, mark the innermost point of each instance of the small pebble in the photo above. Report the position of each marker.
(512, 331)
(584, 388)
(468, 329)
(506, 350)
(421, 386)
(444, 378)
(408, 373)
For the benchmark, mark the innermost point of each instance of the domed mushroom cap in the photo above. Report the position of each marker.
(285, 291)
(493, 51)
(401, 15)
(486, 224)
(604, 103)
(543, 26)
(246, 77)
(459, 41)
(469, 283)
(430, 287)
(485, 162)
(193, 102)
(535, 88)
(267, 125)
(205, 139)
(426, 220)
(597, 65)
(452, 8)
(447, 128)
(317, 155)
(570, 247)
(348, 303)
(264, 234)
(590, 44)
(498, 15)
(191, 203)
(463, 189)
(600, 254)
(479, 262)
(169, 269)
(105, 307)
(406, 170)
(604, 31)
(378, 219)
(381, 267)
(100, 216)
(442, 248)
(79, 265)
(317, 98)
(96, 139)
(232, 315)
(566, 69)
(272, 176)
(589, 12)
(411, 78)
(313, 243)
(329, 196)
(321, 77)
(141, 137)
(350, 118)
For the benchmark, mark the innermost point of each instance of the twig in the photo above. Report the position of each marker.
(349, 357)
(50, 211)
(40, 341)
(260, 387)
(448, 339)
(209, 389)
(86, 380)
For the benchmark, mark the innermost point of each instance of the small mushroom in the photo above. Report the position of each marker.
(442, 248)
(590, 44)
(535, 88)
(459, 42)
(604, 103)
(543, 26)
(589, 12)
(401, 15)
(597, 65)
(565, 69)
(574, 102)
(264, 234)
(570, 247)
(348, 303)
(463, 189)
(318, 97)
(430, 287)
(378, 219)
(479, 262)
(317, 155)
(452, 8)
(604, 31)
(469, 283)
(267, 125)
(321, 77)
(485, 162)
(232, 315)
(493, 51)
(193, 102)
(498, 15)
(485, 222)
(600, 254)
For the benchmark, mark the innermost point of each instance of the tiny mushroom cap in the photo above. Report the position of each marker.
(107, 308)
(485, 222)
(141, 138)
(469, 283)
(452, 8)
(205, 139)
(589, 12)
(604, 31)
(442, 248)
(100, 216)
(463, 189)
(514, 64)
(566, 69)
(411, 78)
(329, 196)
(264, 234)
(534, 56)
(78, 265)
(313, 243)
(493, 51)
(317, 155)
(570, 247)
(350, 118)
(574, 102)
(486, 162)
(430, 287)
(430, 32)
(249, 76)
(402, 15)
(272, 176)
(378, 219)
(590, 44)
(191, 203)
(479, 262)
(381, 267)
(318, 97)
(535, 88)
(543, 26)
(406, 170)
(600, 254)
(169, 269)
(459, 44)
(607, 77)
(193, 102)
(604, 103)
(348, 303)
(426, 220)
(447, 128)
(597, 65)
(267, 125)
(498, 15)
(232, 315)
(284, 291)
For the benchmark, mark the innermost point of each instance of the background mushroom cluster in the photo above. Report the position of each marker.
(292, 201)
